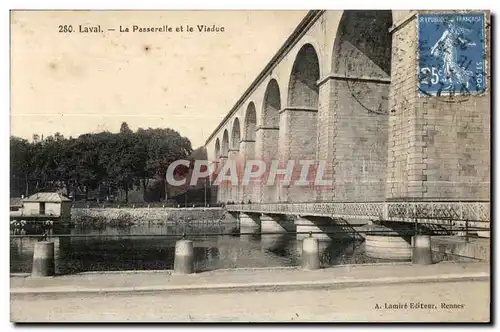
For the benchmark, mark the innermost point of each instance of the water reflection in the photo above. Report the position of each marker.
(275, 242)
(112, 248)
(249, 233)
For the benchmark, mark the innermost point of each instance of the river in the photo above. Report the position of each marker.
(151, 247)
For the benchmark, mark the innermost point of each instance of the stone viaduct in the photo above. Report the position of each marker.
(343, 89)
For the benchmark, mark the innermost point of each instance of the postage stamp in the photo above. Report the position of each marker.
(451, 54)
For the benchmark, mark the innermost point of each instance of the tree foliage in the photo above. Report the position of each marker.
(95, 161)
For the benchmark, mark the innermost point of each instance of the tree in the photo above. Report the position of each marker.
(86, 160)
(20, 166)
(124, 128)
(115, 160)
(117, 152)
(158, 149)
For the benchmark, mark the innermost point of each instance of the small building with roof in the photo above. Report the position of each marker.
(47, 204)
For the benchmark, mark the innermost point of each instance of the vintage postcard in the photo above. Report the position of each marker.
(250, 166)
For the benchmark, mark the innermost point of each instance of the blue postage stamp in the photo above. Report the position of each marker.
(451, 54)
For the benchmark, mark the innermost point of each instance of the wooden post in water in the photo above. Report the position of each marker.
(310, 253)
(43, 259)
(184, 257)
(421, 253)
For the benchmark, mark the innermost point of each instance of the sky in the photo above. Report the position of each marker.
(77, 82)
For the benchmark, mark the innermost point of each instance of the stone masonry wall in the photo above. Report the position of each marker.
(401, 106)
(325, 138)
(266, 150)
(143, 215)
(298, 142)
(439, 147)
(361, 141)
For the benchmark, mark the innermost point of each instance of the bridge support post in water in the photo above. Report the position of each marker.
(310, 254)
(184, 257)
(318, 228)
(274, 228)
(43, 259)
(387, 243)
(249, 223)
(270, 223)
(421, 250)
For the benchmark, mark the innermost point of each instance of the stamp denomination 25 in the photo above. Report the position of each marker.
(451, 54)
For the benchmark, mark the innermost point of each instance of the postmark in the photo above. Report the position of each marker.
(451, 55)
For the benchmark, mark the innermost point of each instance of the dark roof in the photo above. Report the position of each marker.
(16, 201)
(47, 197)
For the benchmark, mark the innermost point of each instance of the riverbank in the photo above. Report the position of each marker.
(276, 279)
(145, 215)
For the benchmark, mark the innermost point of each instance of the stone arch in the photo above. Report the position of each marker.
(234, 155)
(225, 144)
(214, 189)
(272, 105)
(224, 194)
(359, 85)
(303, 90)
(299, 117)
(250, 123)
(236, 135)
(287, 66)
(247, 151)
(363, 44)
(268, 135)
(217, 148)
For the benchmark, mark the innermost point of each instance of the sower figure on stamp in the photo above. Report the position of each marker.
(445, 48)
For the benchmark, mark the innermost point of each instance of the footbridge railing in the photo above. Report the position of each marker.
(401, 211)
